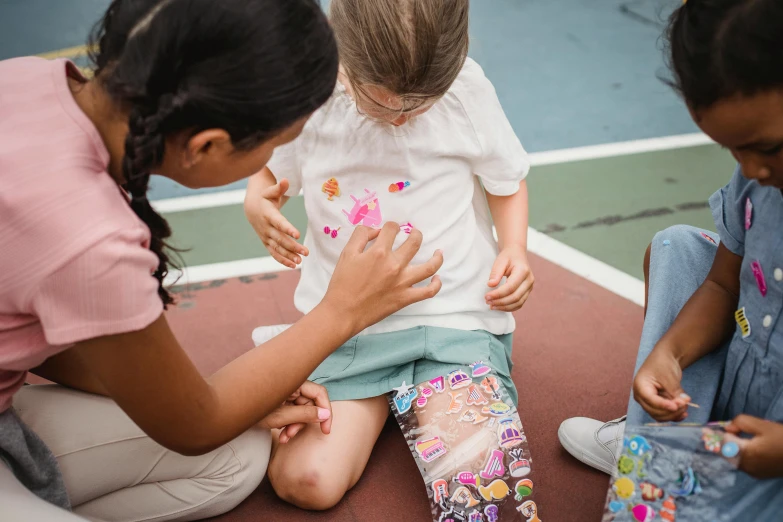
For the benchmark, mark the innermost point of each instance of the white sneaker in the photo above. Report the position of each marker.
(263, 334)
(593, 442)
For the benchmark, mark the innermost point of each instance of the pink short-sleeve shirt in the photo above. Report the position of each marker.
(74, 258)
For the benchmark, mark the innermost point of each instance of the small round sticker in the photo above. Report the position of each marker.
(730, 450)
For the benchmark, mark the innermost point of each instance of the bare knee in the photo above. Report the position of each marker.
(305, 484)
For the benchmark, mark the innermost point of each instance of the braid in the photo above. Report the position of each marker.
(144, 149)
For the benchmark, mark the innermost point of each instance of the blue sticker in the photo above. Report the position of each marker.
(404, 398)
(615, 506)
(638, 445)
(730, 450)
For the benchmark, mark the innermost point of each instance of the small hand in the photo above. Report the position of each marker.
(657, 388)
(762, 456)
(309, 404)
(278, 235)
(511, 263)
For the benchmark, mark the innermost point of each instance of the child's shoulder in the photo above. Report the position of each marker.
(471, 82)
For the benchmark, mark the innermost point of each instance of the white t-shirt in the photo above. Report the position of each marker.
(424, 173)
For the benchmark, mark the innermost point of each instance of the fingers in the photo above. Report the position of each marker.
(410, 247)
(287, 242)
(359, 239)
(515, 296)
(415, 274)
(747, 424)
(281, 255)
(277, 190)
(320, 397)
(289, 432)
(647, 394)
(292, 414)
(518, 275)
(498, 271)
(387, 236)
(513, 307)
(414, 295)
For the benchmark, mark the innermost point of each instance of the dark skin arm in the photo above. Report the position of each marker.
(152, 379)
(705, 321)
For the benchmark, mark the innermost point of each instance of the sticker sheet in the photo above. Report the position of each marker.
(469, 445)
(672, 472)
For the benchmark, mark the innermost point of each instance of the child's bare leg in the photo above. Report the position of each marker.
(313, 470)
(471, 451)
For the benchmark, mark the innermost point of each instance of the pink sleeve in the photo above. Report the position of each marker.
(107, 289)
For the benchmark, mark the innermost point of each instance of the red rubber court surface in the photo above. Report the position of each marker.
(574, 352)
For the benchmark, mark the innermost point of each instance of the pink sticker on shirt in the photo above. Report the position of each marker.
(758, 273)
(366, 210)
(748, 213)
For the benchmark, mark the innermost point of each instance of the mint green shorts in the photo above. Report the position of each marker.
(371, 365)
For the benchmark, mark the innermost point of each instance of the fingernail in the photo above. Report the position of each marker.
(685, 396)
(324, 414)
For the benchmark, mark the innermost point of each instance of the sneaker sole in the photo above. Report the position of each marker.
(573, 449)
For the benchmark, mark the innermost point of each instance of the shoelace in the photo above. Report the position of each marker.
(605, 445)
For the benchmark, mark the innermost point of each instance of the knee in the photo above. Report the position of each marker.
(675, 234)
(306, 485)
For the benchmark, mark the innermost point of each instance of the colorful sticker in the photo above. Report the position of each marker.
(421, 402)
(494, 466)
(403, 400)
(615, 506)
(458, 379)
(743, 322)
(366, 210)
(475, 516)
(668, 510)
(438, 384)
(491, 512)
(730, 450)
(430, 449)
(498, 409)
(712, 441)
(452, 515)
(637, 445)
(479, 369)
(480, 418)
(474, 396)
(490, 385)
(440, 491)
(643, 513)
(469, 416)
(625, 465)
(463, 496)
(624, 487)
(331, 231)
(519, 467)
(687, 484)
(524, 488)
(406, 227)
(650, 492)
(496, 490)
(509, 435)
(399, 186)
(331, 188)
(425, 391)
(758, 273)
(708, 238)
(529, 510)
(456, 403)
(466, 478)
(748, 214)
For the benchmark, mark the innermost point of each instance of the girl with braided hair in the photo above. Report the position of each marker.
(200, 92)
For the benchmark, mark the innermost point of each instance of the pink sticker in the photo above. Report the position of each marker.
(758, 273)
(421, 402)
(466, 478)
(494, 466)
(426, 391)
(366, 210)
(430, 449)
(407, 228)
(748, 213)
(438, 384)
(708, 238)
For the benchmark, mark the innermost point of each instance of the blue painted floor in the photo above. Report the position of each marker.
(568, 72)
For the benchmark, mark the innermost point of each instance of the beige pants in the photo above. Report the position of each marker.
(113, 471)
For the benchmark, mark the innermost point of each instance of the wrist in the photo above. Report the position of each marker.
(342, 322)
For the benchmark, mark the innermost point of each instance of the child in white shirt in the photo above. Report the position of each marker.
(413, 131)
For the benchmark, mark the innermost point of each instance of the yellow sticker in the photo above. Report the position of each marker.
(742, 321)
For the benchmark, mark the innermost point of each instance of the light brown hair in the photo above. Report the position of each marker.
(413, 48)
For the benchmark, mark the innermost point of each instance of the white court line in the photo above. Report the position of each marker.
(552, 157)
(562, 255)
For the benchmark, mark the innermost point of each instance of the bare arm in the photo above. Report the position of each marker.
(151, 378)
(509, 214)
(707, 319)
